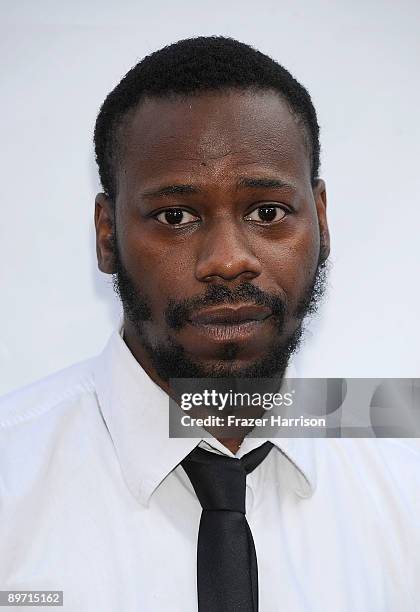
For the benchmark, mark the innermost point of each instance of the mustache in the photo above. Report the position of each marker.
(178, 314)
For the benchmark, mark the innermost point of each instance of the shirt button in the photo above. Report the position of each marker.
(249, 499)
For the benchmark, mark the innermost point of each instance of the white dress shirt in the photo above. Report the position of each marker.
(93, 502)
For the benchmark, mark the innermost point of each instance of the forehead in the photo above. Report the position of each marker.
(216, 135)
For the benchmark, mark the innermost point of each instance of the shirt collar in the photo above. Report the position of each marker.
(136, 412)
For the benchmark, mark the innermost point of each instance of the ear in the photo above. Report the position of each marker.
(105, 233)
(320, 196)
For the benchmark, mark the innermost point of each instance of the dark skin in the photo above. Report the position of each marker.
(213, 144)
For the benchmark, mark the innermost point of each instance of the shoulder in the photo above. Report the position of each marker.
(50, 433)
(40, 399)
(47, 429)
(388, 466)
(388, 452)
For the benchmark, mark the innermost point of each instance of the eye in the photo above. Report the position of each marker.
(267, 213)
(175, 216)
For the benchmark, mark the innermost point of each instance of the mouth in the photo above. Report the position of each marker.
(230, 315)
(230, 323)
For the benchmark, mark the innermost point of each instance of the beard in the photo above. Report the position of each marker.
(170, 360)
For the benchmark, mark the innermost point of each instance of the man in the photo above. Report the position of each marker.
(213, 221)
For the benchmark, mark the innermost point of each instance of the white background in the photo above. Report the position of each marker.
(359, 61)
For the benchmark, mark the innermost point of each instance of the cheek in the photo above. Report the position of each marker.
(158, 268)
(293, 262)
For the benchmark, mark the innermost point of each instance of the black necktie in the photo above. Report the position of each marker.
(227, 573)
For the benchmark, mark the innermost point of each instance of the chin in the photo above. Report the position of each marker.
(264, 367)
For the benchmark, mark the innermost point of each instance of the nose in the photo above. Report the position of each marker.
(225, 253)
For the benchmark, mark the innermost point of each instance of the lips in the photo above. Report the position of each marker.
(230, 315)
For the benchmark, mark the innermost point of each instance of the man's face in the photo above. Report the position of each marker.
(218, 234)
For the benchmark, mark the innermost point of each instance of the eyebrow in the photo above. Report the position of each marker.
(263, 183)
(244, 182)
(171, 190)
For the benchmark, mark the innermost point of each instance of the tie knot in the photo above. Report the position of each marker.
(220, 481)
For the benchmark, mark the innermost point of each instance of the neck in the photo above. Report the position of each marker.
(233, 444)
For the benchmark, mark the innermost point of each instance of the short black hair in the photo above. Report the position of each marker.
(192, 66)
